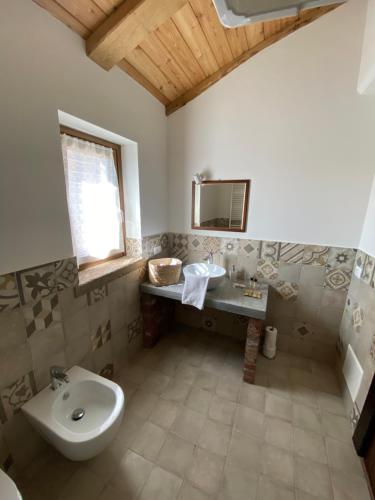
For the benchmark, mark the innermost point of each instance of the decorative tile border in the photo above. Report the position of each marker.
(36, 283)
(269, 250)
(268, 269)
(13, 397)
(291, 253)
(97, 294)
(66, 273)
(341, 258)
(9, 298)
(358, 317)
(337, 278)
(315, 255)
(287, 290)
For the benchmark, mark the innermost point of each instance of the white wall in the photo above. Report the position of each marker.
(367, 243)
(44, 68)
(291, 120)
(366, 80)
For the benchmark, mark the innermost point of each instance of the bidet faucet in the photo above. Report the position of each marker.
(210, 258)
(58, 376)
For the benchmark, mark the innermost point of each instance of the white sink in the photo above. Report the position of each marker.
(50, 412)
(216, 273)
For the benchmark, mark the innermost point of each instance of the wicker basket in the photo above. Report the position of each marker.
(163, 272)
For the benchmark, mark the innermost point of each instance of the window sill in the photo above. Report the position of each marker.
(101, 274)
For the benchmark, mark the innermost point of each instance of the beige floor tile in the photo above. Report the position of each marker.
(149, 441)
(309, 444)
(303, 395)
(83, 484)
(206, 380)
(253, 397)
(238, 484)
(186, 373)
(131, 474)
(189, 492)
(176, 455)
(279, 385)
(188, 424)
(222, 410)
(106, 463)
(313, 478)
(228, 388)
(156, 382)
(111, 493)
(215, 437)
(176, 391)
(129, 428)
(349, 487)
(302, 495)
(249, 421)
(245, 452)
(336, 427)
(278, 407)
(303, 377)
(168, 366)
(342, 456)
(270, 490)
(306, 418)
(331, 403)
(161, 485)
(135, 373)
(199, 400)
(278, 464)
(142, 403)
(206, 471)
(164, 413)
(278, 432)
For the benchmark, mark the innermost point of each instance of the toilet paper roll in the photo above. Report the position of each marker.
(269, 346)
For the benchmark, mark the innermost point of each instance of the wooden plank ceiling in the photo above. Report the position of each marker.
(176, 49)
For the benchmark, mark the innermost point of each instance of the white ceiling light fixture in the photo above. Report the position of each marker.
(234, 13)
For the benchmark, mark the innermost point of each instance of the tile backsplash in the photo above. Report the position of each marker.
(45, 319)
(308, 287)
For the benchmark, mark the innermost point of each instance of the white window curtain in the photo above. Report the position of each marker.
(93, 199)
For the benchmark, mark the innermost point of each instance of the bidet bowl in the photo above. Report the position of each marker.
(216, 273)
(50, 412)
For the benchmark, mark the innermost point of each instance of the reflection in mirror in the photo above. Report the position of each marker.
(220, 205)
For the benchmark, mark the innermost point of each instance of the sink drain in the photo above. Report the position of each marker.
(78, 414)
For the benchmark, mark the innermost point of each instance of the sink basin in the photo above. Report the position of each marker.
(216, 273)
(81, 417)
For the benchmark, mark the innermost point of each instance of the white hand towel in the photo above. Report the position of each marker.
(194, 291)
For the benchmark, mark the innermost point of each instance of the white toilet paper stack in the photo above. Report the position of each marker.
(269, 346)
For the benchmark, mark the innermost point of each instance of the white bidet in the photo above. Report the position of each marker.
(81, 417)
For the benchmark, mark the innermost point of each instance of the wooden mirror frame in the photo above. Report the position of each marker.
(242, 229)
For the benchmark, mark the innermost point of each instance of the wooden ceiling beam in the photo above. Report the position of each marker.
(306, 17)
(127, 27)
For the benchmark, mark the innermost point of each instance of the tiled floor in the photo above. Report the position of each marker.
(194, 431)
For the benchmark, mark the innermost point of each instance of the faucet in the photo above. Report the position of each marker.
(210, 258)
(58, 376)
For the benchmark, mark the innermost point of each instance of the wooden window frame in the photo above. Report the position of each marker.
(116, 148)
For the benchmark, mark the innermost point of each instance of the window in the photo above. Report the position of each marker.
(95, 196)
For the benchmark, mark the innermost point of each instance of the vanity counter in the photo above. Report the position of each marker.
(225, 298)
(156, 308)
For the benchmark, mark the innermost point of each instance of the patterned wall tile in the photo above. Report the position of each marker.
(315, 255)
(211, 244)
(107, 371)
(368, 269)
(229, 246)
(359, 264)
(97, 294)
(337, 278)
(354, 416)
(291, 253)
(248, 248)
(358, 317)
(268, 269)
(9, 298)
(180, 246)
(133, 247)
(135, 329)
(101, 336)
(66, 273)
(269, 250)
(341, 258)
(13, 397)
(287, 290)
(36, 283)
(195, 243)
(40, 314)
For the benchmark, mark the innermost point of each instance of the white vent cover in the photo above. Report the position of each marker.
(353, 372)
(234, 13)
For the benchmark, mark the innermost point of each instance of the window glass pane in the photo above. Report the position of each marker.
(93, 199)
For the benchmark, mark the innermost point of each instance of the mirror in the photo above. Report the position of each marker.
(220, 205)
